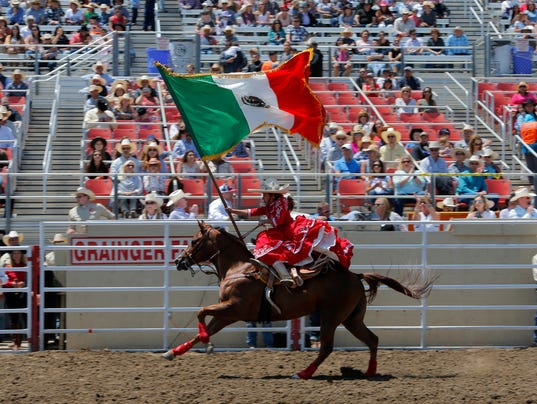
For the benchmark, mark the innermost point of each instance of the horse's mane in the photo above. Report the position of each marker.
(233, 238)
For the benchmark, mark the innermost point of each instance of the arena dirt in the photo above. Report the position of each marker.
(474, 376)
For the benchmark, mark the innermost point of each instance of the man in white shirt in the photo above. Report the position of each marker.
(216, 208)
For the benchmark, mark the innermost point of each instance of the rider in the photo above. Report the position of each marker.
(291, 240)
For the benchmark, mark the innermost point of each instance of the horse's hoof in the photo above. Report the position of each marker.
(296, 377)
(210, 348)
(168, 355)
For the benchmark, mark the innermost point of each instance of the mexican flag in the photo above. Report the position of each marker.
(220, 110)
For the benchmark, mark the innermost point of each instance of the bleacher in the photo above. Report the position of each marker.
(343, 104)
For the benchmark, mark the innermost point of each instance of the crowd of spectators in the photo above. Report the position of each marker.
(35, 30)
(130, 146)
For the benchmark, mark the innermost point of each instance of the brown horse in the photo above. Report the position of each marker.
(337, 294)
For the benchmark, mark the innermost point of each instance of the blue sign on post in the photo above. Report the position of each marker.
(156, 55)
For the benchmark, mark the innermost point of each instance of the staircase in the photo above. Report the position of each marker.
(30, 202)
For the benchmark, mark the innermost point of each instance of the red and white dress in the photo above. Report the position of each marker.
(293, 240)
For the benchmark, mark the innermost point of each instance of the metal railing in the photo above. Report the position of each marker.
(163, 287)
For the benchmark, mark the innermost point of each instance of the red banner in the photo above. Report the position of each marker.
(102, 254)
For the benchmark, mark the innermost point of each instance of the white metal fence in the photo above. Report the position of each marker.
(489, 278)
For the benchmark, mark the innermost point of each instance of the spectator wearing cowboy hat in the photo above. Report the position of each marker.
(340, 138)
(129, 189)
(99, 69)
(153, 150)
(489, 165)
(86, 210)
(13, 238)
(467, 132)
(99, 81)
(127, 151)
(100, 116)
(524, 205)
(144, 82)
(474, 184)
(74, 15)
(17, 87)
(152, 207)
(15, 13)
(7, 138)
(481, 208)
(217, 210)
(437, 165)
(447, 204)
(180, 204)
(94, 92)
(152, 181)
(459, 165)
(392, 150)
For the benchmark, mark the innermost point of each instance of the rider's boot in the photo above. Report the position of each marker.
(283, 273)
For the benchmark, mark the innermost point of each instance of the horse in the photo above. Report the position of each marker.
(337, 294)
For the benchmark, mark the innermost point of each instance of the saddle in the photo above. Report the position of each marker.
(303, 273)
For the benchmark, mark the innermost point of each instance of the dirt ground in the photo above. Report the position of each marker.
(475, 376)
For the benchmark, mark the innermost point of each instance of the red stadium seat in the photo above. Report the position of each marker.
(99, 132)
(241, 164)
(249, 199)
(338, 86)
(506, 86)
(318, 86)
(349, 192)
(16, 100)
(482, 87)
(101, 187)
(500, 187)
(196, 188)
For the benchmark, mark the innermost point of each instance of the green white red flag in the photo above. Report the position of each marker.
(220, 110)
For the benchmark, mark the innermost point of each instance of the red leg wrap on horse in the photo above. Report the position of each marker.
(372, 368)
(204, 335)
(181, 349)
(308, 372)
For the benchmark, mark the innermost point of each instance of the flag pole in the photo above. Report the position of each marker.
(211, 176)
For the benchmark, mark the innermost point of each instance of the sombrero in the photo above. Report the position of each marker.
(271, 186)
(340, 132)
(522, 192)
(97, 77)
(175, 196)
(152, 145)
(85, 191)
(153, 197)
(59, 238)
(126, 142)
(391, 131)
(447, 202)
(12, 234)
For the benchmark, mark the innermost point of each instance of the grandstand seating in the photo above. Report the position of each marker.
(500, 187)
(101, 187)
(196, 188)
(349, 192)
(248, 199)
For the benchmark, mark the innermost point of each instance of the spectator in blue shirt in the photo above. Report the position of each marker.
(37, 12)
(436, 164)
(182, 145)
(456, 42)
(472, 185)
(346, 164)
(15, 14)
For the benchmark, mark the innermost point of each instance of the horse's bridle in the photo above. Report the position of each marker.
(185, 260)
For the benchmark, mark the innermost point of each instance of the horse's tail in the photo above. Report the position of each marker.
(414, 287)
